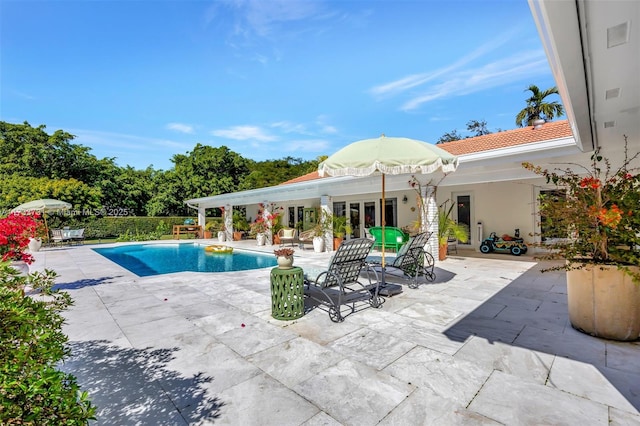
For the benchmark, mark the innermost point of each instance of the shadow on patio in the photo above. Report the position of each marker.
(134, 386)
(531, 313)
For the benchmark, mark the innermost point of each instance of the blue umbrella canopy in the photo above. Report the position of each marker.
(388, 155)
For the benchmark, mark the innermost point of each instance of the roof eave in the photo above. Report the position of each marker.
(560, 26)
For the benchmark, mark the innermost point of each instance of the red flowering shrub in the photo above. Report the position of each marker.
(15, 232)
(599, 214)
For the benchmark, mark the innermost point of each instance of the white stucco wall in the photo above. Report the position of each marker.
(501, 207)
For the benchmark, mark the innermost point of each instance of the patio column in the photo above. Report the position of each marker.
(326, 208)
(202, 218)
(430, 218)
(265, 215)
(228, 221)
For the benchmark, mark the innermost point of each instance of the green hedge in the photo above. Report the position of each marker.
(110, 227)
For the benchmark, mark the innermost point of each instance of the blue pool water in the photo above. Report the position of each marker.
(155, 259)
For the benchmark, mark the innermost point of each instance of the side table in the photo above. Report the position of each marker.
(287, 293)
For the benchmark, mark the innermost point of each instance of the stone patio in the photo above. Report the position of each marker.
(488, 343)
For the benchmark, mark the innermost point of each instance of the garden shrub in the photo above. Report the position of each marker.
(32, 390)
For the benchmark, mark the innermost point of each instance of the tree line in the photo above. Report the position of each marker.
(35, 164)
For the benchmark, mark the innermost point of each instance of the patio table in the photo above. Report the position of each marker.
(287, 293)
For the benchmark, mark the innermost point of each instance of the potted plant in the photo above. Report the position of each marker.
(284, 257)
(323, 225)
(340, 229)
(209, 228)
(449, 228)
(599, 220)
(258, 229)
(240, 225)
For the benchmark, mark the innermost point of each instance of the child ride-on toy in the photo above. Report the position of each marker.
(504, 244)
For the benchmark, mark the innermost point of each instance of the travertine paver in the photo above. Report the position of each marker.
(487, 343)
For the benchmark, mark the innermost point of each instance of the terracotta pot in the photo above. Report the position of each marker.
(442, 251)
(284, 262)
(207, 234)
(604, 302)
(237, 235)
(336, 243)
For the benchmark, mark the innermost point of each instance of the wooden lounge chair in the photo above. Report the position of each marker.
(343, 283)
(411, 262)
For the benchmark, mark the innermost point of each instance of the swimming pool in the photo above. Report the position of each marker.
(155, 259)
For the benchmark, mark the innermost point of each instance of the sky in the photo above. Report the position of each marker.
(142, 81)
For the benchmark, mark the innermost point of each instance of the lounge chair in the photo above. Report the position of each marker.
(343, 283)
(287, 235)
(411, 262)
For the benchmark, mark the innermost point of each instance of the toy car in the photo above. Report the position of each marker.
(504, 244)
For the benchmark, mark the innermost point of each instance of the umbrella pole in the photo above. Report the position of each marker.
(384, 207)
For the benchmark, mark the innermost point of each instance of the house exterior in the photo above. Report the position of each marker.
(592, 49)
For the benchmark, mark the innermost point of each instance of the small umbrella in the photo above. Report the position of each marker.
(387, 155)
(43, 205)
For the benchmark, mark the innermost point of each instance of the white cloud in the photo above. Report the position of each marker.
(179, 127)
(289, 127)
(242, 133)
(263, 16)
(452, 73)
(494, 74)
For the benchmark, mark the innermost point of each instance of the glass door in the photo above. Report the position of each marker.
(354, 219)
(463, 213)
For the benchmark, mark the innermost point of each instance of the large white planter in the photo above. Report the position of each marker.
(261, 239)
(284, 262)
(604, 302)
(318, 244)
(222, 237)
(35, 244)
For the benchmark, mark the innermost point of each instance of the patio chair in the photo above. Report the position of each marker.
(76, 235)
(452, 245)
(58, 237)
(343, 283)
(411, 262)
(394, 238)
(305, 237)
(287, 235)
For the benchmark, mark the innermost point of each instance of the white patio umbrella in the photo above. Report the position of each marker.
(44, 205)
(388, 155)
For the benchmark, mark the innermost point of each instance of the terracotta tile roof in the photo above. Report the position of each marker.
(550, 131)
(309, 176)
(509, 138)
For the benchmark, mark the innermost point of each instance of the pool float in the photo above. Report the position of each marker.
(219, 249)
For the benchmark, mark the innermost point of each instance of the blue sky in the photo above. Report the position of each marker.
(144, 80)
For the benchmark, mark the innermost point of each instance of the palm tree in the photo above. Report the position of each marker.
(538, 109)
